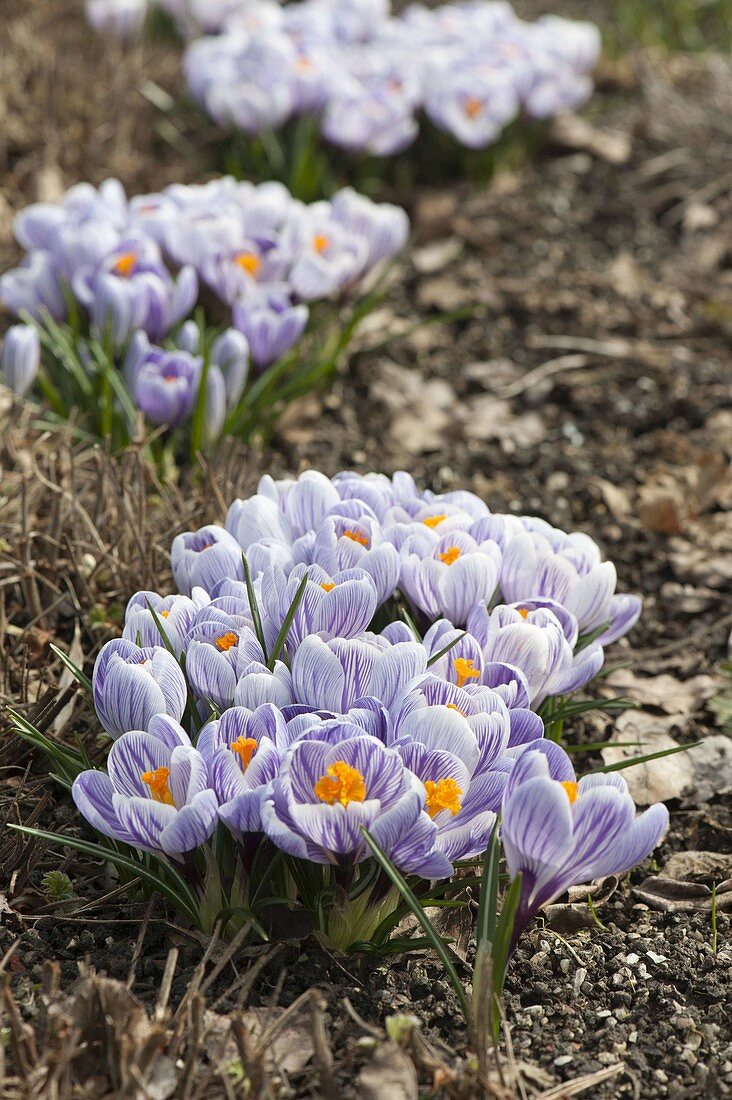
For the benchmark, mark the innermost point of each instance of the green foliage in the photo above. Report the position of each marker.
(672, 24)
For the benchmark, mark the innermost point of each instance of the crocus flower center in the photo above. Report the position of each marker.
(451, 706)
(523, 612)
(443, 795)
(164, 614)
(342, 784)
(225, 641)
(433, 521)
(125, 264)
(571, 789)
(245, 748)
(157, 781)
(473, 107)
(321, 243)
(327, 586)
(248, 262)
(450, 555)
(465, 671)
(356, 536)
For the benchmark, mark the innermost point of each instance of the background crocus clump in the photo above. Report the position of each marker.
(340, 673)
(471, 69)
(112, 283)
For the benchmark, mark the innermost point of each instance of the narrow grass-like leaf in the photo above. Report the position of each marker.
(253, 605)
(182, 895)
(435, 940)
(488, 903)
(289, 617)
(451, 645)
(79, 675)
(623, 764)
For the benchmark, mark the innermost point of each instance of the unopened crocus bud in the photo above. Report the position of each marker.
(230, 353)
(188, 337)
(20, 358)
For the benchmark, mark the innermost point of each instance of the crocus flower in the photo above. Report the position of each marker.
(131, 684)
(20, 358)
(200, 559)
(119, 18)
(455, 576)
(133, 284)
(561, 834)
(258, 684)
(348, 538)
(166, 386)
(153, 797)
(327, 256)
(216, 653)
(175, 613)
(270, 322)
(545, 562)
(34, 287)
(333, 675)
(472, 105)
(533, 640)
(341, 605)
(326, 793)
(243, 753)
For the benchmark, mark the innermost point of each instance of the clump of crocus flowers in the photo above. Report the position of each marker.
(353, 661)
(470, 68)
(114, 283)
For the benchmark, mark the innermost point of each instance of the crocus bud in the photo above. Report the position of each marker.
(131, 684)
(230, 352)
(20, 358)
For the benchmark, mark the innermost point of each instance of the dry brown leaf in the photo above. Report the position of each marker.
(292, 1046)
(665, 693)
(437, 255)
(712, 761)
(486, 418)
(573, 132)
(390, 1075)
(656, 780)
(714, 866)
(672, 896)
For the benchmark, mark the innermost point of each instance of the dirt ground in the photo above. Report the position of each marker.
(590, 382)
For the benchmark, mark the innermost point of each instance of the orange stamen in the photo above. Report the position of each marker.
(572, 790)
(342, 784)
(451, 706)
(226, 641)
(473, 107)
(245, 748)
(320, 243)
(442, 795)
(433, 521)
(356, 536)
(450, 555)
(157, 781)
(523, 612)
(327, 587)
(125, 265)
(248, 262)
(465, 671)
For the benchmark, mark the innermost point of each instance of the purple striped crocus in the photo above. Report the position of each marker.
(153, 797)
(203, 558)
(175, 613)
(243, 752)
(350, 537)
(544, 562)
(131, 684)
(333, 675)
(217, 651)
(325, 793)
(559, 834)
(454, 576)
(339, 606)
